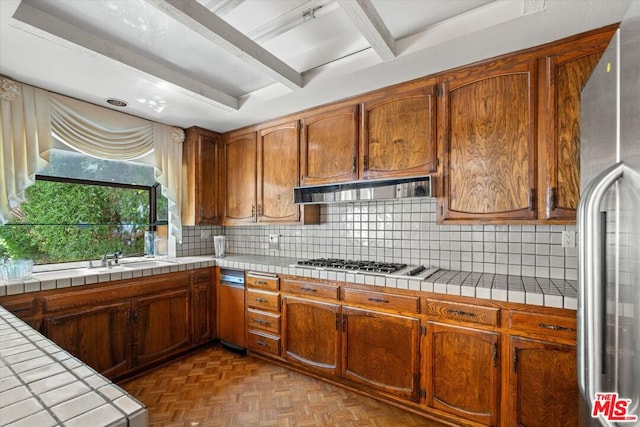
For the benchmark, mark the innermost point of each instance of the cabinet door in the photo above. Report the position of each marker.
(202, 308)
(100, 336)
(462, 372)
(543, 390)
(398, 135)
(381, 351)
(231, 317)
(278, 174)
(312, 334)
(488, 125)
(565, 75)
(240, 179)
(161, 325)
(202, 163)
(329, 147)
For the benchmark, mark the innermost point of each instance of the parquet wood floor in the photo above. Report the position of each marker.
(216, 387)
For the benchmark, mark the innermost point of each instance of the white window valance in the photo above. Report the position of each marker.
(30, 116)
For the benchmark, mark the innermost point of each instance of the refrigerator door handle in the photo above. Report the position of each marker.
(590, 283)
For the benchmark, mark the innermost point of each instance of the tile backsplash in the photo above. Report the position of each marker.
(403, 231)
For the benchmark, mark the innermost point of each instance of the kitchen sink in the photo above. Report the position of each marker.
(145, 264)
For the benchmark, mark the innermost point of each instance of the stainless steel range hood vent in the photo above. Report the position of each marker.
(363, 190)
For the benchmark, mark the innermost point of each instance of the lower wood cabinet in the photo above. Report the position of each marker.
(161, 325)
(123, 326)
(542, 387)
(312, 334)
(99, 336)
(380, 350)
(202, 308)
(462, 371)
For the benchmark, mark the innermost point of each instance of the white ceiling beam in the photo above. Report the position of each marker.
(366, 18)
(201, 20)
(46, 25)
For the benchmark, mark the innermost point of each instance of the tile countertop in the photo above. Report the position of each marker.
(43, 385)
(557, 293)
(500, 287)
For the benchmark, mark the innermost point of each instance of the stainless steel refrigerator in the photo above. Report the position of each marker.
(609, 234)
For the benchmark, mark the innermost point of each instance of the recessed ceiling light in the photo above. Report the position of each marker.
(117, 102)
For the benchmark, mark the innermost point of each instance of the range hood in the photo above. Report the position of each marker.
(363, 190)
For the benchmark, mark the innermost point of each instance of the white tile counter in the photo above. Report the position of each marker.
(43, 385)
(500, 287)
(557, 293)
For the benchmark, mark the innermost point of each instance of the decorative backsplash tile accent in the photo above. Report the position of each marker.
(403, 231)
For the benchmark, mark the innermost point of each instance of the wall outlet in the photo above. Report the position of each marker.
(274, 241)
(205, 234)
(568, 239)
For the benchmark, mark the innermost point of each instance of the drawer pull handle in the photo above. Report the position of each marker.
(378, 300)
(308, 289)
(261, 300)
(556, 327)
(261, 282)
(460, 313)
(262, 343)
(262, 322)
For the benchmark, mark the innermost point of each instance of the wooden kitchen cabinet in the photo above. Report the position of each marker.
(203, 305)
(462, 372)
(240, 157)
(312, 331)
(487, 121)
(263, 313)
(202, 163)
(329, 146)
(100, 336)
(563, 74)
(398, 133)
(231, 315)
(161, 325)
(261, 170)
(202, 313)
(542, 386)
(278, 170)
(380, 350)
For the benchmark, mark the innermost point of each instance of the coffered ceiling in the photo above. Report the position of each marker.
(222, 64)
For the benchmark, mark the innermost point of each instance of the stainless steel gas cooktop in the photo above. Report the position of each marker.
(369, 267)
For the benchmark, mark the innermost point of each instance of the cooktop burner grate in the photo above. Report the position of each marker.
(370, 266)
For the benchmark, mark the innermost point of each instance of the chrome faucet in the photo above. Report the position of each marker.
(105, 260)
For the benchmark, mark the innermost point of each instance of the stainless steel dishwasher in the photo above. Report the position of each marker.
(231, 323)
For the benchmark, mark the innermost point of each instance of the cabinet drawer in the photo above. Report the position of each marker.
(302, 287)
(263, 343)
(262, 281)
(263, 321)
(263, 300)
(201, 276)
(463, 312)
(382, 300)
(559, 326)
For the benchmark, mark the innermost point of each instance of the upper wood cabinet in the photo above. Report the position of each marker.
(278, 173)
(329, 146)
(201, 159)
(261, 170)
(398, 133)
(488, 142)
(563, 74)
(240, 155)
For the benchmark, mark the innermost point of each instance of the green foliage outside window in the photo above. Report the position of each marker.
(67, 222)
